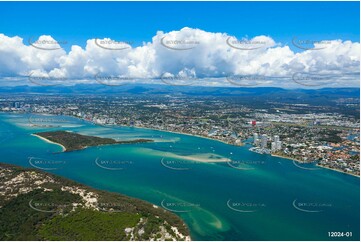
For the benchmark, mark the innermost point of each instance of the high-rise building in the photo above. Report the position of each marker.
(276, 138)
(278, 145)
(264, 141)
(255, 138)
(273, 146)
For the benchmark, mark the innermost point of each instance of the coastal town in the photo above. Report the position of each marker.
(180, 120)
(295, 131)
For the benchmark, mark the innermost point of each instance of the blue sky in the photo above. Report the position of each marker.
(227, 39)
(76, 22)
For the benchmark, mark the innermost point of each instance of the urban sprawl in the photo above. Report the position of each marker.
(298, 131)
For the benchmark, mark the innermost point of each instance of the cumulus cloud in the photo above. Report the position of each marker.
(216, 57)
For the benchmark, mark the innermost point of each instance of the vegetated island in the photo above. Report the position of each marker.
(72, 141)
(35, 205)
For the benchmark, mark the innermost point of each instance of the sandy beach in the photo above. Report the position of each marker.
(204, 157)
(49, 141)
(200, 158)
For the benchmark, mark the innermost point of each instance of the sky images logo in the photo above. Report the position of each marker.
(48, 121)
(178, 44)
(311, 79)
(245, 207)
(111, 207)
(48, 207)
(177, 80)
(46, 164)
(305, 166)
(109, 44)
(247, 80)
(246, 44)
(113, 80)
(245, 165)
(311, 207)
(179, 207)
(45, 79)
(113, 165)
(307, 44)
(46, 44)
(179, 165)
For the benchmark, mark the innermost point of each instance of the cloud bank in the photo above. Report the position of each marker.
(188, 54)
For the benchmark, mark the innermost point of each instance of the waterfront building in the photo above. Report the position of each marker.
(264, 141)
(255, 138)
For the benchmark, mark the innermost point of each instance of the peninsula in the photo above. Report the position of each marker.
(55, 208)
(72, 141)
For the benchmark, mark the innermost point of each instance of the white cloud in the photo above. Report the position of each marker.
(16, 58)
(193, 52)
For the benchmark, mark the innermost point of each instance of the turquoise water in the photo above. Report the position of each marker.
(250, 197)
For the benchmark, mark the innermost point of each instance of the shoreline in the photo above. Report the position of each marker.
(102, 192)
(332, 169)
(138, 127)
(49, 141)
(224, 142)
(168, 131)
(194, 135)
(325, 167)
(289, 158)
(175, 132)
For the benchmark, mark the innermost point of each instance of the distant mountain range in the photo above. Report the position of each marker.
(156, 89)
